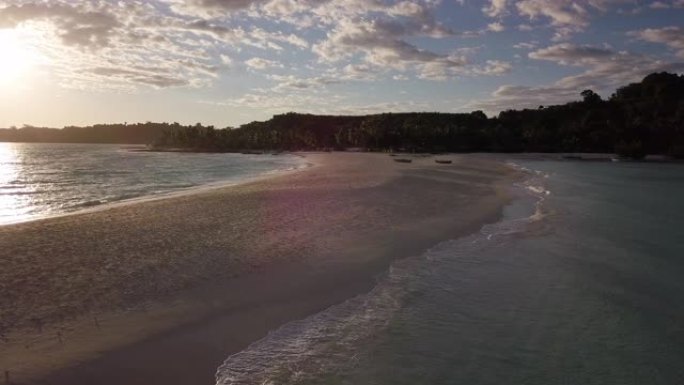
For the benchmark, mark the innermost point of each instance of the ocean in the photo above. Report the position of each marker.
(581, 282)
(38, 180)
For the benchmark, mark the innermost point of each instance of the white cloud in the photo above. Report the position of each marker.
(225, 59)
(361, 71)
(518, 97)
(571, 54)
(105, 45)
(211, 8)
(378, 108)
(380, 41)
(604, 70)
(440, 69)
(496, 27)
(188, 43)
(261, 63)
(496, 8)
(102, 46)
(276, 102)
(76, 26)
(672, 37)
(493, 67)
(659, 5)
(291, 82)
(526, 45)
(330, 104)
(567, 16)
(667, 4)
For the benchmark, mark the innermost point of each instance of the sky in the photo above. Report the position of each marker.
(229, 62)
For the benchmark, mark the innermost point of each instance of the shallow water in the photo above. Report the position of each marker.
(41, 179)
(582, 282)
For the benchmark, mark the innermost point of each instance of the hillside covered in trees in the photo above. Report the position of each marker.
(638, 119)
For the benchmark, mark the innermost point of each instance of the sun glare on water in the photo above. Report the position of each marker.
(17, 59)
(14, 206)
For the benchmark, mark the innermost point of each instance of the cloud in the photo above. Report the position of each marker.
(378, 108)
(604, 70)
(672, 37)
(281, 102)
(571, 54)
(261, 63)
(225, 59)
(359, 72)
(496, 27)
(77, 37)
(97, 44)
(76, 26)
(496, 8)
(150, 76)
(291, 82)
(377, 33)
(101, 45)
(192, 38)
(659, 5)
(330, 104)
(518, 97)
(574, 13)
(493, 67)
(565, 16)
(381, 42)
(667, 4)
(255, 37)
(441, 69)
(526, 45)
(211, 8)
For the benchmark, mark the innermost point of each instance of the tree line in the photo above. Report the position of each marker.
(638, 119)
(138, 133)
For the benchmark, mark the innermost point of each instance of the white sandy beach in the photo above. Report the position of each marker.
(161, 291)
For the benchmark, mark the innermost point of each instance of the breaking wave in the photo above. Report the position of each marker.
(334, 340)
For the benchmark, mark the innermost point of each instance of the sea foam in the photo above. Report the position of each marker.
(334, 341)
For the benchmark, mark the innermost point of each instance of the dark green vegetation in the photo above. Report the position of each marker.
(638, 119)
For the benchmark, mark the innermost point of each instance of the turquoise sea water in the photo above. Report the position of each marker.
(44, 179)
(582, 282)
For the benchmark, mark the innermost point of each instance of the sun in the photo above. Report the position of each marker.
(17, 58)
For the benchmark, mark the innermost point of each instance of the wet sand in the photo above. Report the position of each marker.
(163, 291)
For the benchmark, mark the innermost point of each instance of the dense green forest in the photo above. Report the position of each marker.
(638, 119)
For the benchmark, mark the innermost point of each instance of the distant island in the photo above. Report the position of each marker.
(638, 119)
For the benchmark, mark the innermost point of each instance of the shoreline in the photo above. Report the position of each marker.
(365, 219)
(170, 194)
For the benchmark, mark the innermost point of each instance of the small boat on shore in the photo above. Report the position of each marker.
(571, 157)
(443, 161)
(403, 160)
